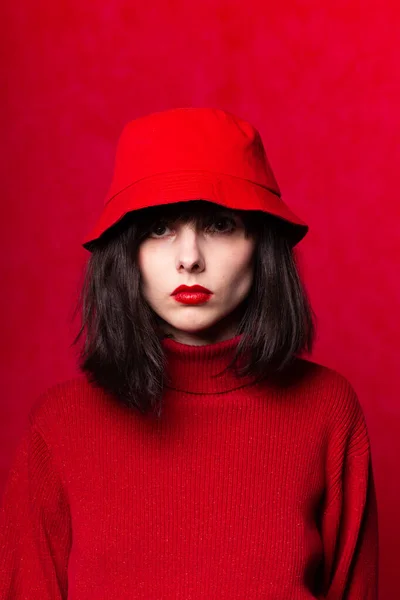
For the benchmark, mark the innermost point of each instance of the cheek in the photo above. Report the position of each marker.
(238, 267)
(151, 268)
(141, 262)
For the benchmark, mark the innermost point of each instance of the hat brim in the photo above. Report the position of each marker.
(183, 186)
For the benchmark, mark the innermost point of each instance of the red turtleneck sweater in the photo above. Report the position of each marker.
(241, 491)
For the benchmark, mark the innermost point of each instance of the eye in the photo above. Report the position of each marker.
(221, 224)
(158, 229)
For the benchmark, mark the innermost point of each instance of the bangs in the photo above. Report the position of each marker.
(135, 225)
(191, 212)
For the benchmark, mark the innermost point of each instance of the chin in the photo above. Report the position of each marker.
(193, 328)
(193, 325)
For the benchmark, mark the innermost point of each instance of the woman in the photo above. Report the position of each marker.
(199, 456)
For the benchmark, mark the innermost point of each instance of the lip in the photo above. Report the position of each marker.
(195, 294)
(192, 297)
(191, 290)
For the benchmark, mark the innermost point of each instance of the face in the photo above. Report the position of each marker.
(213, 252)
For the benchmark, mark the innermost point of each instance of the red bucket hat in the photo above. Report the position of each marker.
(192, 154)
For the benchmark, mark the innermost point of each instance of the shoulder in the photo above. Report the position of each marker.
(62, 401)
(328, 390)
(345, 422)
(316, 376)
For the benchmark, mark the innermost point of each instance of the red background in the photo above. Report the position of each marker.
(320, 80)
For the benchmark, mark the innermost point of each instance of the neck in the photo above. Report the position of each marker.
(197, 369)
(205, 339)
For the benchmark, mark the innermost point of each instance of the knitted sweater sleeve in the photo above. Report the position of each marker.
(35, 532)
(349, 520)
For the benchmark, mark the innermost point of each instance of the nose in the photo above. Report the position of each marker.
(189, 256)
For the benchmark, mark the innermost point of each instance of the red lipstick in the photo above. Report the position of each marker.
(195, 294)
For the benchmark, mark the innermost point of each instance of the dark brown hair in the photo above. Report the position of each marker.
(122, 351)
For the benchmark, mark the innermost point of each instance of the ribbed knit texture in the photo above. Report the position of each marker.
(242, 491)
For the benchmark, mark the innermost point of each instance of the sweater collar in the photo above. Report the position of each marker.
(192, 369)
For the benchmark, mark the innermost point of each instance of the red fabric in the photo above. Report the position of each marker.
(240, 491)
(192, 154)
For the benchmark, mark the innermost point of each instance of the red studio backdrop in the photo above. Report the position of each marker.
(320, 80)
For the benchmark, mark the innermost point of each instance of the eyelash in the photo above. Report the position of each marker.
(214, 221)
